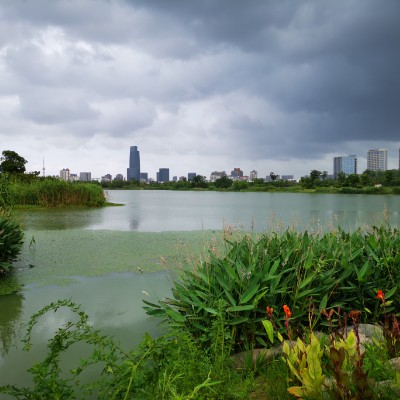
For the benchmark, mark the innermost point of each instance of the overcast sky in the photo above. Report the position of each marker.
(199, 85)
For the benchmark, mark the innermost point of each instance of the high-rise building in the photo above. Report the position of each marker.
(85, 176)
(163, 175)
(253, 175)
(65, 174)
(346, 164)
(216, 175)
(237, 173)
(118, 177)
(133, 172)
(377, 160)
(144, 176)
(191, 176)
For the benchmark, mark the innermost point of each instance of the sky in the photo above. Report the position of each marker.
(199, 85)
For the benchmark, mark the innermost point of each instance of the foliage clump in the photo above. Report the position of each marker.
(339, 268)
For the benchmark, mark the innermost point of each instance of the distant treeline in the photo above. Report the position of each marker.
(369, 182)
(28, 189)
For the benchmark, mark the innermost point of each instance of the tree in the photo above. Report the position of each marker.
(273, 176)
(199, 181)
(324, 175)
(12, 162)
(315, 175)
(223, 183)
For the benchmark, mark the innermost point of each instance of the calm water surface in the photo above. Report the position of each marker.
(158, 211)
(114, 301)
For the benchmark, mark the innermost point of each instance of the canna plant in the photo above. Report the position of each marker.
(339, 369)
(291, 267)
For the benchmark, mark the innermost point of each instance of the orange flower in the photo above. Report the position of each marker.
(381, 296)
(287, 311)
(270, 310)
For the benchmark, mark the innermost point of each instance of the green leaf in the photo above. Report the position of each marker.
(390, 293)
(248, 294)
(238, 321)
(241, 308)
(175, 315)
(269, 329)
(211, 310)
(323, 303)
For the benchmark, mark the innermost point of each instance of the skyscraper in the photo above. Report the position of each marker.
(346, 164)
(377, 160)
(163, 175)
(133, 172)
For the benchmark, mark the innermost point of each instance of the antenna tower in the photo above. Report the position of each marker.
(44, 169)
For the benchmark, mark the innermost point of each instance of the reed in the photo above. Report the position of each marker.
(53, 193)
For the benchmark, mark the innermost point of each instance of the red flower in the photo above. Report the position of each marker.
(381, 296)
(270, 310)
(287, 311)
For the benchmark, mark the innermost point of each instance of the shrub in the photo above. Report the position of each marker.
(338, 269)
(11, 240)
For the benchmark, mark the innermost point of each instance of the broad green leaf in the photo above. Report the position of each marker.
(249, 294)
(390, 293)
(241, 308)
(175, 315)
(269, 329)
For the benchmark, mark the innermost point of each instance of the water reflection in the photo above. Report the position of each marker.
(10, 320)
(113, 303)
(60, 219)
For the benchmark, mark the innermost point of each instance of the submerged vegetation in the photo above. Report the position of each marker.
(230, 303)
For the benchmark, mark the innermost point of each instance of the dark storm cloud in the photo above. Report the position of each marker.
(255, 79)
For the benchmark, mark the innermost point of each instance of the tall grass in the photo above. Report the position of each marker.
(54, 192)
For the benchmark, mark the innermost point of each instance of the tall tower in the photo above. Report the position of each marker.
(133, 172)
(377, 160)
(44, 169)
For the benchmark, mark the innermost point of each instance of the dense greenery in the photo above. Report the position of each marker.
(11, 235)
(11, 240)
(22, 189)
(50, 192)
(12, 162)
(336, 269)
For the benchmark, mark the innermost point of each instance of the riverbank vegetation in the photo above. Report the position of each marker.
(369, 182)
(25, 190)
(259, 292)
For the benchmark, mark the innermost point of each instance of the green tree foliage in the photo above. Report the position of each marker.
(12, 162)
(273, 176)
(199, 181)
(223, 183)
(315, 175)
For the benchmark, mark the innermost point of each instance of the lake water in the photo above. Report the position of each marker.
(92, 256)
(158, 211)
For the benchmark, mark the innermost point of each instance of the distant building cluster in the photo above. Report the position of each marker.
(377, 160)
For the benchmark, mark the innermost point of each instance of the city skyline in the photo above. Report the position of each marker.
(267, 86)
(348, 164)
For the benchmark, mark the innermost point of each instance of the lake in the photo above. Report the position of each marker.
(93, 256)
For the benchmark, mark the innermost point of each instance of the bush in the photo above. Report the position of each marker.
(337, 269)
(11, 240)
